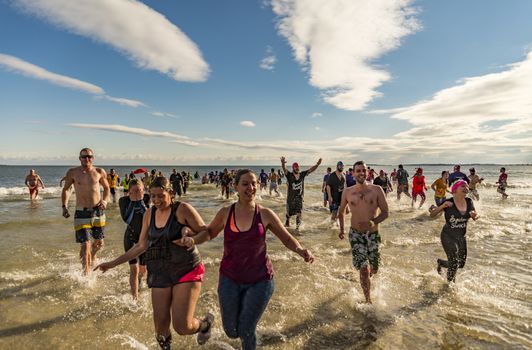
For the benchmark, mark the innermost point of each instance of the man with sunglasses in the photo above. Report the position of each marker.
(89, 219)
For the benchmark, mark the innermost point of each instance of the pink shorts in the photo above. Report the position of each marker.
(195, 275)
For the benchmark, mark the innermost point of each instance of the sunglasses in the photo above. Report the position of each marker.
(85, 156)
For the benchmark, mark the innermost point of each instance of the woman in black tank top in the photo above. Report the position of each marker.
(175, 270)
(458, 210)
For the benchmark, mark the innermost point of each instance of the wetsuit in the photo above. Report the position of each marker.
(453, 238)
(176, 180)
(246, 279)
(132, 214)
(167, 263)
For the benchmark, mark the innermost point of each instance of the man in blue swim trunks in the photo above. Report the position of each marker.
(365, 201)
(89, 219)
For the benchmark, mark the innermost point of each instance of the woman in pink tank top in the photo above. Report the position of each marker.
(246, 273)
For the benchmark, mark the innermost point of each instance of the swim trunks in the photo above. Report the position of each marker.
(89, 222)
(365, 249)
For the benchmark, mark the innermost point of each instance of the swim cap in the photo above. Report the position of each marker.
(457, 184)
(295, 165)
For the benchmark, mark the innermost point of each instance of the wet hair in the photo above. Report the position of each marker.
(135, 182)
(273, 170)
(161, 182)
(503, 168)
(443, 172)
(329, 169)
(86, 149)
(242, 172)
(359, 162)
(400, 166)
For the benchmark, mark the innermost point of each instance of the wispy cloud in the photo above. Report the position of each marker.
(164, 114)
(16, 65)
(125, 101)
(132, 28)
(268, 62)
(247, 123)
(337, 42)
(316, 115)
(137, 131)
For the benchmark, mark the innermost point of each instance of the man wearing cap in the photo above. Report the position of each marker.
(296, 186)
(457, 175)
(474, 181)
(335, 187)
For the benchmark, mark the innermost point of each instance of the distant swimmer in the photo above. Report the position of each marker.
(402, 182)
(474, 180)
(280, 180)
(419, 187)
(393, 177)
(324, 187)
(457, 175)
(365, 201)
(176, 179)
(225, 183)
(335, 187)
(132, 208)
(440, 189)
(503, 183)
(273, 178)
(125, 182)
(175, 269)
(296, 189)
(113, 180)
(246, 281)
(263, 177)
(457, 210)
(89, 218)
(33, 182)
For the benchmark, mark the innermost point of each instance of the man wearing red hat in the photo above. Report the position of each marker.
(296, 186)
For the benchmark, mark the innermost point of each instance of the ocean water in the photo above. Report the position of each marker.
(45, 303)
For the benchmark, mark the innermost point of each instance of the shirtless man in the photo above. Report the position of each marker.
(33, 181)
(274, 182)
(89, 219)
(474, 181)
(364, 200)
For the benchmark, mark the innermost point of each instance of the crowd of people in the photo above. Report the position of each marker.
(162, 233)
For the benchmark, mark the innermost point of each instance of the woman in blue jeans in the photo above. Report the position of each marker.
(246, 273)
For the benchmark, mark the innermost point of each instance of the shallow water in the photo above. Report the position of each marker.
(45, 303)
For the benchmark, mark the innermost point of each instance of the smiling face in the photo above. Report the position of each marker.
(463, 189)
(247, 186)
(159, 197)
(360, 173)
(86, 157)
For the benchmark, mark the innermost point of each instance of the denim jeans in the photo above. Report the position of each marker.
(242, 306)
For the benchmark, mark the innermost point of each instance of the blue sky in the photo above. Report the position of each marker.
(247, 81)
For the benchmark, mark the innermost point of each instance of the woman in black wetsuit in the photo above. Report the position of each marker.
(458, 210)
(175, 272)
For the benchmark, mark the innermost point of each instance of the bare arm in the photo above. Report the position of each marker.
(135, 251)
(65, 193)
(26, 182)
(274, 224)
(40, 181)
(283, 165)
(341, 212)
(383, 206)
(439, 209)
(105, 185)
(433, 186)
(188, 214)
(315, 166)
(329, 194)
(215, 227)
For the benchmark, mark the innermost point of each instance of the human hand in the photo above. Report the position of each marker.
(447, 204)
(341, 235)
(306, 255)
(185, 241)
(283, 160)
(319, 161)
(102, 204)
(473, 215)
(104, 267)
(66, 214)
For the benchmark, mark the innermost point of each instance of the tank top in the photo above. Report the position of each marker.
(245, 259)
(162, 250)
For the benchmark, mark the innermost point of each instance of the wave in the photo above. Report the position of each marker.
(20, 191)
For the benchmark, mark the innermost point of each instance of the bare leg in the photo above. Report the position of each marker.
(161, 299)
(365, 282)
(97, 244)
(134, 280)
(422, 201)
(85, 257)
(184, 299)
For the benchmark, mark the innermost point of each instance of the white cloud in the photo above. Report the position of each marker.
(145, 36)
(164, 114)
(316, 115)
(137, 131)
(16, 65)
(247, 123)
(125, 101)
(336, 41)
(268, 62)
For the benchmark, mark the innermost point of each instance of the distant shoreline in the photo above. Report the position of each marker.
(257, 166)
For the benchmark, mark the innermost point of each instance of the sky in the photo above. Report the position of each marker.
(210, 82)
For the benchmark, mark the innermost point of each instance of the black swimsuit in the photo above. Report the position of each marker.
(167, 262)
